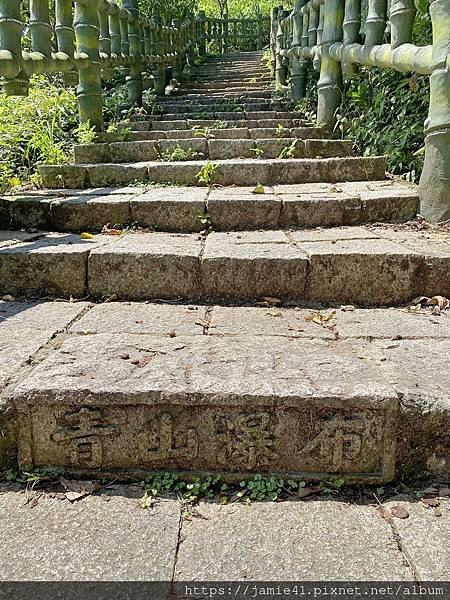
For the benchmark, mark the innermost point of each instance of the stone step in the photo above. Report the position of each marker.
(179, 209)
(240, 172)
(133, 387)
(197, 108)
(364, 266)
(189, 123)
(232, 116)
(229, 85)
(199, 148)
(228, 133)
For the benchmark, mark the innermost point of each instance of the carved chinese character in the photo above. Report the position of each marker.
(244, 440)
(339, 440)
(82, 430)
(165, 442)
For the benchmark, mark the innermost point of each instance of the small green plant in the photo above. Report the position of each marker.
(289, 151)
(206, 173)
(203, 132)
(282, 131)
(179, 154)
(219, 124)
(85, 133)
(121, 133)
(258, 152)
(205, 220)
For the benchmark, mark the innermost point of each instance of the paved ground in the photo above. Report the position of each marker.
(110, 537)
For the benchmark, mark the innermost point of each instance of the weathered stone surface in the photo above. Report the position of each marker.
(317, 210)
(297, 541)
(116, 174)
(141, 267)
(252, 265)
(88, 212)
(63, 176)
(54, 265)
(238, 133)
(223, 149)
(48, 544)
(24, 329)
(240, 209)
(286, 407)
(141, 151)
(198, 145)
(142, 318)
(11, 238)
(92, 153)
(425, 538)
(349, 268)
(170, 209)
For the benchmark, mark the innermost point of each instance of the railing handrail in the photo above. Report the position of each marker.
(328, 32)
(91, 37)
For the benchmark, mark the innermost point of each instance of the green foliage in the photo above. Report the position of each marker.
(85, 134)
(384, 113)
(289, 151)
(206, 173)
(35, 130)
(179, 154)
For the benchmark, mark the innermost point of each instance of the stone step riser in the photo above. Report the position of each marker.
(240, 172)
(178, 209)
(230, 133)
(185, 124)
(214, 149)
(296, 266)
(232, 116)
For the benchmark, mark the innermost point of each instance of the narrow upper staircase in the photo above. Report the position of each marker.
(223, 194)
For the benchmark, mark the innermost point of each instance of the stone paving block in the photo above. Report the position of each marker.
(230, 209)
(224, 149)
(176, 134)
(368, 272)
(54, 265)
(170, 209)
(28, 210)
(180, 173)
(47, 543)
(316, 210)
(435, 248)
(418, 371)
(238, 133)
(252, 265)
(327, 148)
(63, 176)
(92, 153)
(169, 125)
(11, 238)
(24, 329)
(205, 389)
(127, 152)
(89, 212)
(116, 174)
(289, 541)
(142, 318)
(146, 266)
(137, 136)
(425, 538)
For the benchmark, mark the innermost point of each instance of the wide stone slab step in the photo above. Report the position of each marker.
(354, 265)
(228, 116)
(159, 123)
(131, 388)
(241, 133)
(240, 172)
(183, 209)
(199, 148)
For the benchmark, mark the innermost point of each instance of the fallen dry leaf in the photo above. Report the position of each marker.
(308, 491)
(267, 301)
(400, 512)
(274, 313)
(8, 298)
(439, 301)
(75, 490)
(111, 231)
(320, 318)
(430, 502)
(348, 308)
(124, 356)
(259, 189)
(384, 513)
(86, 236)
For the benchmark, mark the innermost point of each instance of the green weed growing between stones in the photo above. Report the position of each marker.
(179, 154)
(206, 173)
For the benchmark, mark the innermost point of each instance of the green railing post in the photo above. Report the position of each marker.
(11, 27)
(179, 61)
(273, 39)
(159, 74)
(260, 33)
(329, 87)
(40, 29)
(298, 85)
(225, 34)
(281, 70)
(89, 90)
(435, 180)
(134, 79)
(202, 31)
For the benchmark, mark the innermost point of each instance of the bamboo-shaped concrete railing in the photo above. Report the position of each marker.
(328, 32)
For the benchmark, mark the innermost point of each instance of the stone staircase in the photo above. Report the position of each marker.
(247, 245)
